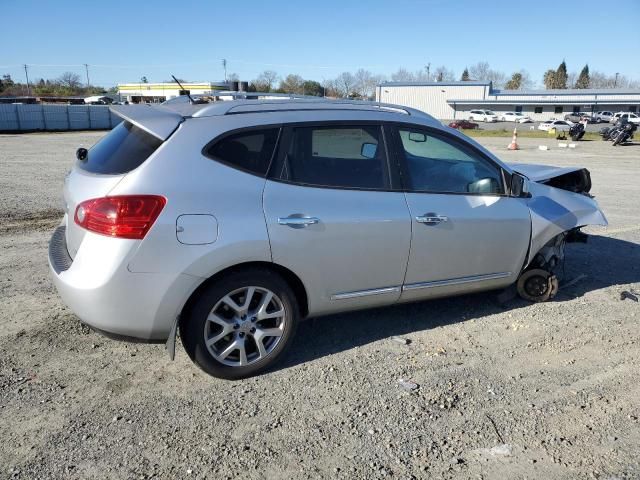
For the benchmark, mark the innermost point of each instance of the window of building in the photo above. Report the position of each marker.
(439, 164)
(632, 109)
(557, 110)
(537, 110)
(519, 109)
(348, 156)
(249, 150)
(576, 109)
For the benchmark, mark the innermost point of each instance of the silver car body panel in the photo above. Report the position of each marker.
(366, 249)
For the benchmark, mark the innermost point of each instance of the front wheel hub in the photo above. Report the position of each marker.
(537, 285)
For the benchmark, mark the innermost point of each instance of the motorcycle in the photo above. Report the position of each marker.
(576, 132)
(626, 133)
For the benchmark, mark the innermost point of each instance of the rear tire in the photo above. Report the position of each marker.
(222, 331)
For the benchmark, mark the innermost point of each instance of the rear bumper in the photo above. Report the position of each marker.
(98, 288)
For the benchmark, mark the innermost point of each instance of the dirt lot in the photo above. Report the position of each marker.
(511, 390)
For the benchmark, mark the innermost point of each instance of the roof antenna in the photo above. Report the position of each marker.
(183, 89)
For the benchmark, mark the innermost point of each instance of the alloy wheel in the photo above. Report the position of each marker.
(245, 326)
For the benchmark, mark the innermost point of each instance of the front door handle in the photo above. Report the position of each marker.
(297, 222)
(431, 219)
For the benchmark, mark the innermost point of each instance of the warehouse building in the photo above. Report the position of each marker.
(454, 100)
(159, 92)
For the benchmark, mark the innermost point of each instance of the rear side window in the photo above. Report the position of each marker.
(250, 151)
(123, 149)
(340, 156)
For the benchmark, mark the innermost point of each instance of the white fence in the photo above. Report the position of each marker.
(28, 117)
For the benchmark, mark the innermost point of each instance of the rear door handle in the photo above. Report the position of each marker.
(432, 219)
(297, 222)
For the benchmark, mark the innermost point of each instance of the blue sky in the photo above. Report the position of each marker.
(124, 40)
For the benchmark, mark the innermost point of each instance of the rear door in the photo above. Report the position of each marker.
(467, 234)
(336, 216)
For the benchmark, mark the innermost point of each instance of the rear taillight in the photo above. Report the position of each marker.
(124, 216)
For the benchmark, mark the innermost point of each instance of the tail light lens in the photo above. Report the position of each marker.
(125, 216)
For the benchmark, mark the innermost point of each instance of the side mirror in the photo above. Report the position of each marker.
(519, 186)
(81, 154)
(417, 137)
(369, 150)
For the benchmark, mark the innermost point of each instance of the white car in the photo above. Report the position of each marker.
(604, 116)
(483, 116)
(515, 117)
(628, 116)
(562, 125)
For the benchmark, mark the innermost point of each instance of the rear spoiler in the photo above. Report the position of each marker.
(158, 121)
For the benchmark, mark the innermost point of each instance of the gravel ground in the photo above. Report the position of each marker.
(546, 391)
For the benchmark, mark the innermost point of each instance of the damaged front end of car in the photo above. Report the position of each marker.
(560, 205)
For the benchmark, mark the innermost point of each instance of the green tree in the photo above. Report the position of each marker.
(515, 83)
(561, 76)
(465, 75)
(549, 79)
(311, 87)
(291, 84)
(583, 79)
(144, 80)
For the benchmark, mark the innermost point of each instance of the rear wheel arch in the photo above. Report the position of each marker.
(291, 278)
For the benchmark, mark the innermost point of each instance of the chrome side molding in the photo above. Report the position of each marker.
(365, 293)
(456, 281)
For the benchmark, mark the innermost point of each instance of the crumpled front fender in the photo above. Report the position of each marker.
(554, 211)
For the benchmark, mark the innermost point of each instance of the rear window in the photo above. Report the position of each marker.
(123, 149)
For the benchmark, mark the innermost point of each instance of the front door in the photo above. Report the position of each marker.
(467, 234)
(333, 216)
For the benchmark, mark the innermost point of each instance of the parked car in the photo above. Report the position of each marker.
(628, 116)
(515, 117)
(483, 116)
(604, 116)
(230, 222)
(579, 116)
(560, 125)
(464, 124)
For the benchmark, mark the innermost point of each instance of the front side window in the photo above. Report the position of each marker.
(439, 164)
(251, 150)
(336, 156)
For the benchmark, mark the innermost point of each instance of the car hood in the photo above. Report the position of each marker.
(541, 173)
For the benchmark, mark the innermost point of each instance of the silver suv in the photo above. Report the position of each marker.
(228, 222)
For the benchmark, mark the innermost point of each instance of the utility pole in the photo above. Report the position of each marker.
(26, 74)
(615, 84)
(86, 69)
(224, 65)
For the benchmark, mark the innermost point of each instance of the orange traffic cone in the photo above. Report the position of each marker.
(514, 141)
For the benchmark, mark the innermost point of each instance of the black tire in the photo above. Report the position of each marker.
(619, 139)
(192, 326)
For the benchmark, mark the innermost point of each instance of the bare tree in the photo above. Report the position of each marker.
(69, 79)
(402, 75)
(443, 74)
(482, 71)
(365, 83)
(346, 83)
(266, 81)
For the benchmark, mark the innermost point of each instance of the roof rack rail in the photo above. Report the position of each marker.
(328, 104)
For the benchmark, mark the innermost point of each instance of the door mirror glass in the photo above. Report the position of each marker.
(369, 150)
(417, 137)
(519, 185)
